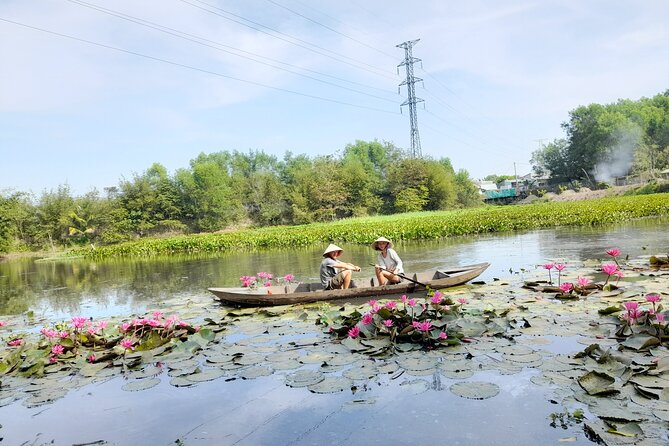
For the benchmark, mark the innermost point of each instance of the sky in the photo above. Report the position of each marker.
(93, 92)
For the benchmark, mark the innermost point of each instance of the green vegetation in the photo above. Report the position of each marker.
(230, 190)
(408, 226)
(606, 141)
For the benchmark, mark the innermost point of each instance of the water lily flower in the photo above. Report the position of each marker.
(53, 360)
(613, 252)
(157, 314)
(659, 317)
(388, 323)
(566, 287)
(367, 319)
(15, 342)
(3, 323)
(560, 266)
(268, 284)
(630, 305)
(125, 326)
(438, 294)
(443, 335)
(127, 343)
(424, 326)
(653, 297)
(288, 278)
(462, 300)
(372, 302)
(91, 358)
(412, 302)
(79, 321)
(549, 266)
(404, 298)
(583, 281)
(57, 349)
(353, 332)
(64, 334)
(391, 304)
(435, 299)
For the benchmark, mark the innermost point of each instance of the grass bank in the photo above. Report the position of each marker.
(410, 226)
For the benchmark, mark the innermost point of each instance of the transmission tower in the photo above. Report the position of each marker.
(412, 100)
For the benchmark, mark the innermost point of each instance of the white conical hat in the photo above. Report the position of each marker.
(331, 248)
(375, 245)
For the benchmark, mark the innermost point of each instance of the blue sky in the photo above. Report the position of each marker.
(499, 79)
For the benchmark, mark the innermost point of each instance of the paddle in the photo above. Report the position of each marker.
(402, 276)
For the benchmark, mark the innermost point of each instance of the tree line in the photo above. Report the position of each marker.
(225, 190)
(606, 141)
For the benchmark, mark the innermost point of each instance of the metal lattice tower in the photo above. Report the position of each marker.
(412, 100)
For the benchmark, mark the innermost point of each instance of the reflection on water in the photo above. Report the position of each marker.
(119, 287)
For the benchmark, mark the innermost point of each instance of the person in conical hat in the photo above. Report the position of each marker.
(388, 262)
(335, 274)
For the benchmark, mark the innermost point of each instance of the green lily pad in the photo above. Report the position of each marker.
(597, 383)
(140, 384)
(206, 375)
(331, 385)
(304, 378)
(477, 390)
(640, 341)
(255, 372)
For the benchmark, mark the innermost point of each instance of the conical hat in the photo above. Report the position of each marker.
(375, 245)
(331, 248)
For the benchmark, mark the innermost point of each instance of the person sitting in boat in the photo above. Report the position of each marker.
(335, 274)
(388, 263)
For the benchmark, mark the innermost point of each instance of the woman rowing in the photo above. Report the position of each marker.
(388, 263)
(335, 274)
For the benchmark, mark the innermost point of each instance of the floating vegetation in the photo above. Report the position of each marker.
(411, 226)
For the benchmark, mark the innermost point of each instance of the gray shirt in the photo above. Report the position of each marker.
(328, 271)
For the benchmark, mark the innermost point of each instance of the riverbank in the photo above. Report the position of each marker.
(412, 226)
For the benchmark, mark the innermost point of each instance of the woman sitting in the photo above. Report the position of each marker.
(388, 263)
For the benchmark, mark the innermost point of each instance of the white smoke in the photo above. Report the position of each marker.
(618, 158)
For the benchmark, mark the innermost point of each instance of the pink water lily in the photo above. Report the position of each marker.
(560, 266)
(127, 343)
(583, 281)
(424, 326)
(288, 278)
(412, 302)
(391, 305)
(566, 287)
(435, 299)
(653, 297)
(367, 319)
(549, 267)
(659, 317)
(462, 300)
(388, 323)
(3, 323)
(15, 342)
(91, 358)
(354, 332)
(443, 335)
(614, 252)
(57, 349)
(79, 321)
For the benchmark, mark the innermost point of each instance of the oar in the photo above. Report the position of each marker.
(402, 276)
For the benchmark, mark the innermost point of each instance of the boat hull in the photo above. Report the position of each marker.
(314, 292)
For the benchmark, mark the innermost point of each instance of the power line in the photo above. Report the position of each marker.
(340, 57)
(216, 45)
(190, 67)
(329, 28)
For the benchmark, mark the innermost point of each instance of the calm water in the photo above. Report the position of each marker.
(117, 287)
(265, 411)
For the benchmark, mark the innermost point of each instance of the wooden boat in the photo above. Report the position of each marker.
(314, 292)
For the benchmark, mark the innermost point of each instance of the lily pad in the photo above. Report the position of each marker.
(140, 384)
(206, 375)
(304, 378)
(477, 390)
(255, 372)
(331, 385)
(597, 383)
(640, 341)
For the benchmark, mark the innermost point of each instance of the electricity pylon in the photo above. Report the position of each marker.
(412, 100)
